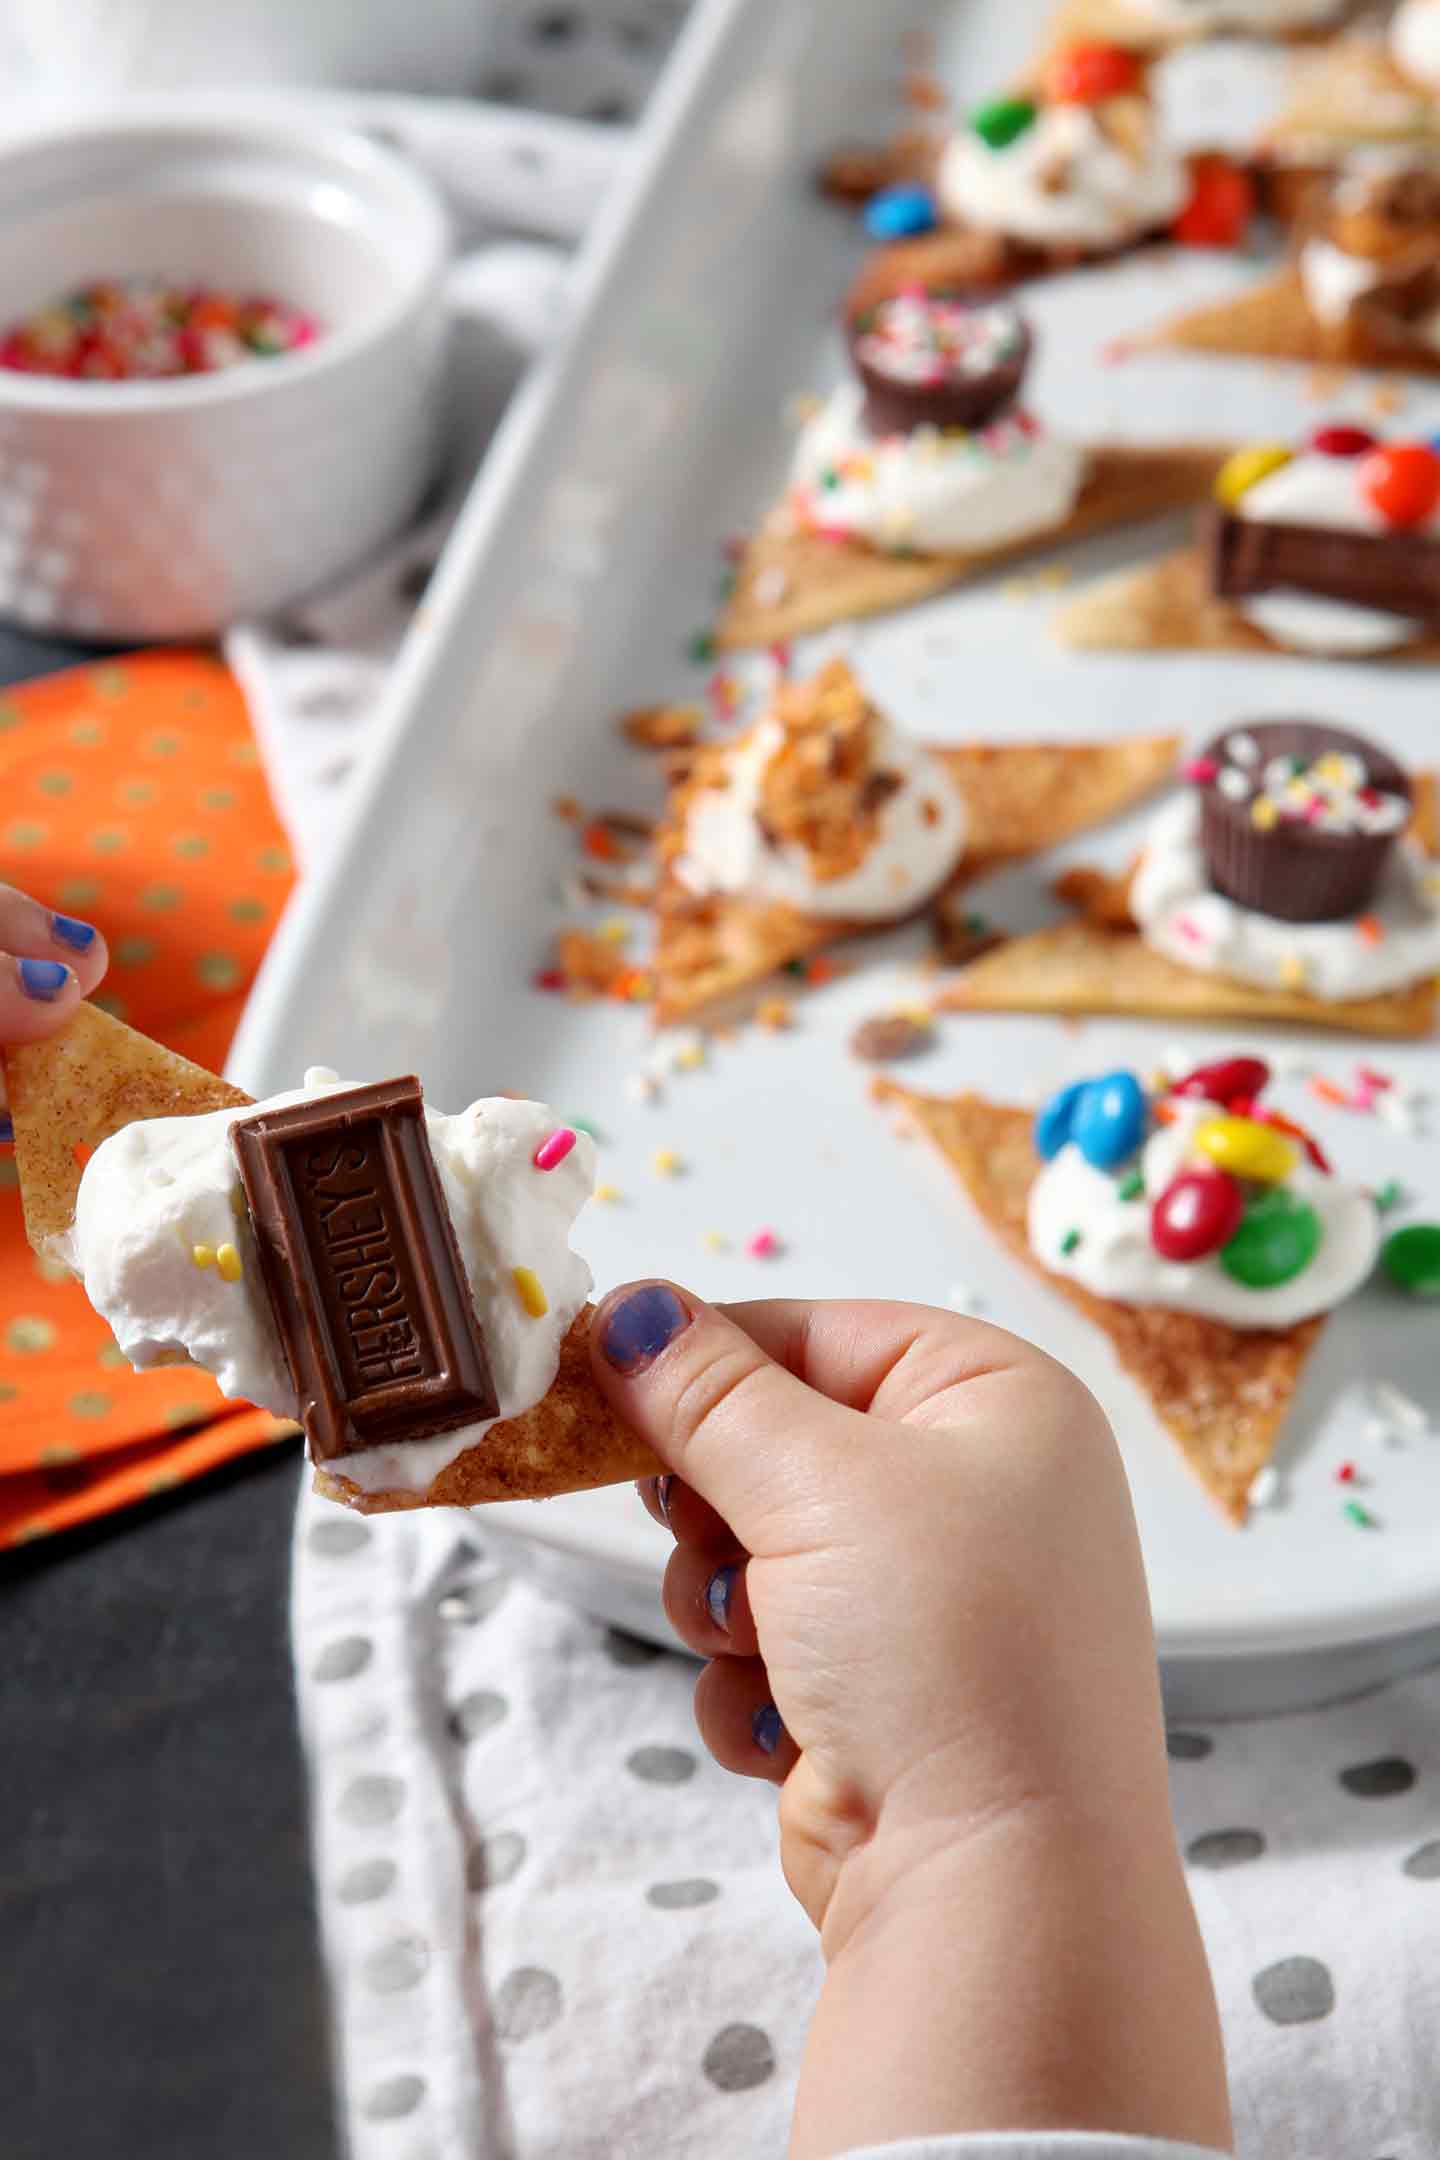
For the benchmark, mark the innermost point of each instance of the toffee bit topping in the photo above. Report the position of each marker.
(889, 1037)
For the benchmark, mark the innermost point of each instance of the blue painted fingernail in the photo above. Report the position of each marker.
(70, 931)
(718, 1593)
(43, 979)
(639, 1327)
(7, 1128)
(767, 1726)
(663, 1483)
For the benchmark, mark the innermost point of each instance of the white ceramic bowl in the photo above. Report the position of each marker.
(169, 509)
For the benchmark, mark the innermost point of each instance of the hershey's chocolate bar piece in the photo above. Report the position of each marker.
(362, 1268)
(1398, 572)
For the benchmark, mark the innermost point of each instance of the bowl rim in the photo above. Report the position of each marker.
(352, 154)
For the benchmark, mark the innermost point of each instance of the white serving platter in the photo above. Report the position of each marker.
(586, 557)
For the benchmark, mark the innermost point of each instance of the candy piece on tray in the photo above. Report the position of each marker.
(1331, 548)
(1281, 882)
(1212, 1283)
(823, 821)
(399, 1280)
(926, 468)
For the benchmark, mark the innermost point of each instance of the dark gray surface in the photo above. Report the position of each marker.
(160, 1989)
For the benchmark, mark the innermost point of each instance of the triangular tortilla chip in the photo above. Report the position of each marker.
(787, 584)
(1116, 22)
(75, 1089)
(1079, 968)
(1272, 321)
(1023, 797)
(1167, 606)
(571, 1441)
(71, 1091)
(1349, 93)
(1221, 1392)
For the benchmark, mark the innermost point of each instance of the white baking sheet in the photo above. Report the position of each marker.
(586, 558)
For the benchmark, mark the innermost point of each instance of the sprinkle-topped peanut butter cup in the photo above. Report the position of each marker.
(938, 359)
(1298, 817)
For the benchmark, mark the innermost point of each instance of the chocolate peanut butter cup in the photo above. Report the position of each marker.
(1297, 818)
(938, 359)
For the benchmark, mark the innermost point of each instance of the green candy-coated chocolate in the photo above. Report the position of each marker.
(1277, 1240)
(1002, 120)
(1411, 1258)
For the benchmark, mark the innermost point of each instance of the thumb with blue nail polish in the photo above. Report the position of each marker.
(903, 1543)
(48, 963)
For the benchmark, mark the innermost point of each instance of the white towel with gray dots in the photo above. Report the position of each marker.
(556, 1931)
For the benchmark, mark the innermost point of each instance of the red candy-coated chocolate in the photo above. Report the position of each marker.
(1343, 442)
(1307, 1140)
(1223, 1081)
(1087, 74)
(1221, 205)
(1198, 1212)
(1402, 482)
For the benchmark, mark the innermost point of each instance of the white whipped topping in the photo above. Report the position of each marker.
(158, 1188)
(1258, 15)
(1334, 279)
(1180, 914)
(1415, 41)
(920, 839)
(1107, 199)
(1317, 490)
(938, 493)
(1116, 1259)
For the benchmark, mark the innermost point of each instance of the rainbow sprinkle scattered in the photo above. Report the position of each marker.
(147, 329)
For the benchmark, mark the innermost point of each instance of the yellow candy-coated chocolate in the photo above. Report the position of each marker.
(203, 1255)
(229, 1264)
(1247, 1149)
(1244, 467)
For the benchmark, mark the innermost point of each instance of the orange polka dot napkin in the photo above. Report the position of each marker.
(131, 795)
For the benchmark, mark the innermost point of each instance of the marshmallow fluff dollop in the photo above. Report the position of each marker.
(1396, 943)
(945, 492)
(1316, 490)
(1415, 41)
(1107, 198)
(1115, 1258)
(920, 836)
(155, 1190)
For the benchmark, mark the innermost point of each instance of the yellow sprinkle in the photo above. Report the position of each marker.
(531, 1292)
(615, 931)
(774, 1013)
(1158, 1081)
(715, 1241)
(228, 1261)
(919, 1016)
(203, 1255)
(1263, 813)
(665, 1162)
(1292, 972)
(689, 1056)
(608, 1193)
(1239, 473)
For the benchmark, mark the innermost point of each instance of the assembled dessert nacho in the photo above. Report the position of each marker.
(398, 1280)
(1205, 1233)
(1289, 881)
(822, 821)
(926, 468)
(1331, 547)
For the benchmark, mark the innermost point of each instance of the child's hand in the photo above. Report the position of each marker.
(904, 1540)
(47, 964)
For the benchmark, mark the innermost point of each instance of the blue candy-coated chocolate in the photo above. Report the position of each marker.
(1053, 1121)
(1109, 1120)
(897, 213)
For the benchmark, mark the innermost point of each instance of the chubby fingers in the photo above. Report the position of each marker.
(740, 1724)
(48, 962)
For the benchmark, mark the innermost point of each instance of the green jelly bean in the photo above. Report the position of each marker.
(1411, 1258)
(1277, 1240)
(1002, 121)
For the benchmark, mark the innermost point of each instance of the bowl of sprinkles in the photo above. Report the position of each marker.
(220, 355)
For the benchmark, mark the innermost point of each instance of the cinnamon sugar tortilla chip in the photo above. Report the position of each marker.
(1221, 1392)
(571, 1441)
(1116, 22)
(789, 583)
(1272, 321)
(74, 1090)
(1079, 968)
(1352, 92)
(1022, 798)
(1167, 606)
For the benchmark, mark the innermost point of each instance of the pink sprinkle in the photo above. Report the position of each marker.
(1199, 769)
(1117, 350)
(763, 1245)
(780, 654)
(1189, 929)
(1345, 1475)
(1369, 1078)
(553, 1149)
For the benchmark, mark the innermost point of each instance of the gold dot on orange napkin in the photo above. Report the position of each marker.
(131, 795)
